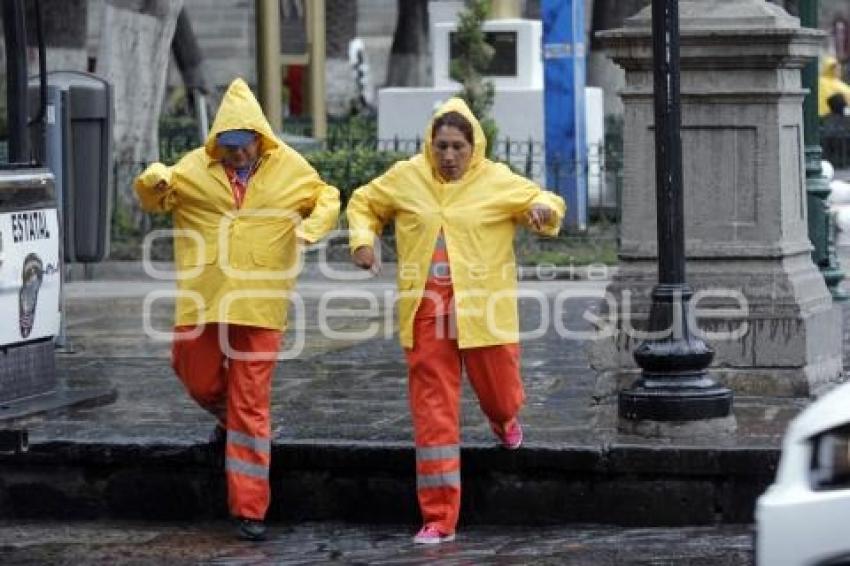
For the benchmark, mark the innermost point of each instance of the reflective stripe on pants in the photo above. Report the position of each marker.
(434, 367)
(244, 388)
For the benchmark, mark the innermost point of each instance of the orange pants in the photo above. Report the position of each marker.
(237, 392)
(434, 366)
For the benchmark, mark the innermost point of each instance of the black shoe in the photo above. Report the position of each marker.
(251, 529)
(218, 439)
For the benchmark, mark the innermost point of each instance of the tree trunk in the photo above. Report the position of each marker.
(610, 14)
(133, 56)
(408, 56)
(341, 22)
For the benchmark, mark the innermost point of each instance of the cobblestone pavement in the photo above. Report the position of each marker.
(118, 543)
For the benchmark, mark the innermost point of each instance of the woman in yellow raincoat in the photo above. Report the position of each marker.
(830, 84)
(455, 214)
(239, 203)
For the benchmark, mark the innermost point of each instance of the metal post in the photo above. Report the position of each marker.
(504, 9)
(316, 39)
(565, 127)
(16, 73)
(821, 222)
(674, 385)
(268, 60)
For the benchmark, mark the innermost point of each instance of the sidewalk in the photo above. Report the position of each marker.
(122, 543)
(342, 433)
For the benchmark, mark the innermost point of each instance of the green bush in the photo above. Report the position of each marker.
(474, 57)
(347, 169)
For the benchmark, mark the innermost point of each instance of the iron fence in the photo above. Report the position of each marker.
(835, 141)
(352, 154)
(526, 157)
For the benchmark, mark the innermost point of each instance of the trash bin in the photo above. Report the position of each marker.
(79, 153)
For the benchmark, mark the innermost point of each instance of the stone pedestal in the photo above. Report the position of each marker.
(776, 331)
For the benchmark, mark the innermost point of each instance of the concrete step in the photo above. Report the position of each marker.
(633, 485)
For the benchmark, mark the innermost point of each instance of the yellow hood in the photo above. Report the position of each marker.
(480, 141)
(829, 69)
(240, 110)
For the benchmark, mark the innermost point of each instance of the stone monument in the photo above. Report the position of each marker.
(762, 302)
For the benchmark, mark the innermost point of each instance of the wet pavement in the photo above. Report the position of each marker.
(125, 543)
(342, 445)
(344, 387)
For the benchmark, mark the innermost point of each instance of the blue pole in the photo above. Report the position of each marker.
(564, 73)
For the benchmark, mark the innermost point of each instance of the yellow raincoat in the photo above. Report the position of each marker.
(830, 83)
(238, 265)
(479, 215)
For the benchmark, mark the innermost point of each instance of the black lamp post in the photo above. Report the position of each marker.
(674, 385)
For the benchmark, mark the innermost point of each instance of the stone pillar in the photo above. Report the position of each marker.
(745, 200)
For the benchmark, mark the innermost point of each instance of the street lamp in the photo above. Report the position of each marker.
(674, 384)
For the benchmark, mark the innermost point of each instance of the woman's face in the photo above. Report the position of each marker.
(452, 152)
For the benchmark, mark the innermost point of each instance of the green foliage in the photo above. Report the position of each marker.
(340, 129)
(605, 253)
(597, 245)
(177, 135)
(355, 130)
(128, 235)
(347, 169)
(474, 55)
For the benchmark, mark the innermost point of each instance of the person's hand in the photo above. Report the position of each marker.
(364, 257)
(538, 216)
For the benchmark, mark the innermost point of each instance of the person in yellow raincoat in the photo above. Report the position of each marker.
(240, 204)
(830, 84)
(455, 214)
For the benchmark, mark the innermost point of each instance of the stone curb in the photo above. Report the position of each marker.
(547, 272)
(374, 482)
(134, 270)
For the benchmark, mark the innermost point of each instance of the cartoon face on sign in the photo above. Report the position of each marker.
(33, 274)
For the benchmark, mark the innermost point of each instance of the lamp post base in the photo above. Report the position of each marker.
(709, 429)
(651, 399)
(675, 384)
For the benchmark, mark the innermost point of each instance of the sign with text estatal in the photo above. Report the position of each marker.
(564, 75)
(29, 275)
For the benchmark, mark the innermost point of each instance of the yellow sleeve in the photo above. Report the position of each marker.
(324, 215)
(369, 209)
(152, 199)
(524, 194)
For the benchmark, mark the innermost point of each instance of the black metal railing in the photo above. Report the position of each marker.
(352, 155)
(835, 142)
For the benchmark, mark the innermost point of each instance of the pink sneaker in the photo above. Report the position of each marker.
(430, 534)
(511, 437)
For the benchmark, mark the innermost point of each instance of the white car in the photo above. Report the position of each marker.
(803, 519)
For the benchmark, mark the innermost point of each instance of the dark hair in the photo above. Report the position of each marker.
(455, 120)
(837, 103)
